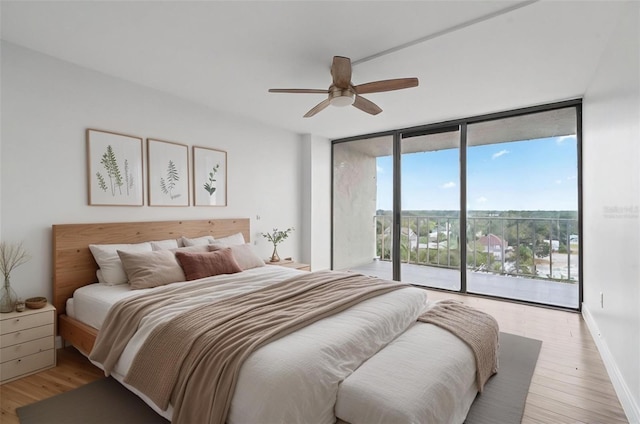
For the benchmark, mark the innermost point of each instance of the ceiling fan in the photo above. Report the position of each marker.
(343, 93)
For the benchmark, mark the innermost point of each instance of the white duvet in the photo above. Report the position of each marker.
(296, 378)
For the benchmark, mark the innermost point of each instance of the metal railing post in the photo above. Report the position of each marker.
(568, 253)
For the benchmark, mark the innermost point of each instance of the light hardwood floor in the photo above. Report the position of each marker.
(570, 384)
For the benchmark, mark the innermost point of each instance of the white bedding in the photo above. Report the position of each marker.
(296, 378)
(426, 375)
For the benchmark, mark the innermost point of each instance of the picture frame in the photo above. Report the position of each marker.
(209, 177)
(114, 169)
(167, 173)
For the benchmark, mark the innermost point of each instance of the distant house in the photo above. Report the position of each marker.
(555, 244)
(406, 234)
(493, 244)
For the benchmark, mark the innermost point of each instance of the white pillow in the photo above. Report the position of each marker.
(164, 244)
(197, 241)
(244, 255)
(234, 239)
(193, 249)
(106, 256)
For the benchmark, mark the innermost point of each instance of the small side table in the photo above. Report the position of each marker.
(289, 263)
(27, 342)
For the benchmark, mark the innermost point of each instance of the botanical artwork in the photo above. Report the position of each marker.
(210, 185)
(115, 169)
(168, 165)
(209, 177)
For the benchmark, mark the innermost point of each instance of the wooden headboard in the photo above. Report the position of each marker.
(73, 263)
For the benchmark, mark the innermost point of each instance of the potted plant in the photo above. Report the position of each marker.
(275, 237)
(11, 257)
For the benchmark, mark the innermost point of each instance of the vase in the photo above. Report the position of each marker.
(8, 298)
(274, 255)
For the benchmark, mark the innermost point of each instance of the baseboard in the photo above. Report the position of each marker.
(630, 406)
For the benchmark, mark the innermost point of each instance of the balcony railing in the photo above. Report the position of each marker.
(543, 248)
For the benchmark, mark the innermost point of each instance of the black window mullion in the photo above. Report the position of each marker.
(462, 243)
(397, 207)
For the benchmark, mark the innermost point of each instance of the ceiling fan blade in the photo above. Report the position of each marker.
(366, 105)
(317, 108)
(341, 72)
(386, 85)
(297, 90)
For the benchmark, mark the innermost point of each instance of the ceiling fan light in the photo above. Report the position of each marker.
(342, 98)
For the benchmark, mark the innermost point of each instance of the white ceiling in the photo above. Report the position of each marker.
(474, 58)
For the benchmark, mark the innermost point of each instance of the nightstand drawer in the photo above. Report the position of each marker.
(27, 348)
(17, 323)
(27, 364)
(26, 335)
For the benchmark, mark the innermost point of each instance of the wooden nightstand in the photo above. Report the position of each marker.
(27, 343)
(290, 264)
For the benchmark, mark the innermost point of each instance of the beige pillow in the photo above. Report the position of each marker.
(236, 238)
(106, 256)
(197, 241)
(244, 255)
(151, 269)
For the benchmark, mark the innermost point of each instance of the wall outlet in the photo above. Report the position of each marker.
(601, 300)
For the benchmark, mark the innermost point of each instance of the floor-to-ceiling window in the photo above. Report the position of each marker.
(362, 204)
(430, 208)
(522, 202)
(510, 179)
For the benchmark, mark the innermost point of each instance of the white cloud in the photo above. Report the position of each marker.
(450, 184)
(379, 169)
(572, 177)
(500, 153)
(558, 181)
(482, 199)
(564, 138)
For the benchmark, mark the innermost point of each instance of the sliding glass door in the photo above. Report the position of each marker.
(430, 217)
(487, 205)
(522, 197)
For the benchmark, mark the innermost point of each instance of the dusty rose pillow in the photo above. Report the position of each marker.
(199, 265)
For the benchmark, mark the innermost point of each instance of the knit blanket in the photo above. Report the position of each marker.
(194, 359)
(476, 328)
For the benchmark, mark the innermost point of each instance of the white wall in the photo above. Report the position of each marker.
(47, 104)
(611, 190)
(316, 203)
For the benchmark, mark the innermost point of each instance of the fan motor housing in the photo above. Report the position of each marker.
(339, 97)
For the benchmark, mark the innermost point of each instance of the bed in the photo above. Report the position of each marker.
(369, 362)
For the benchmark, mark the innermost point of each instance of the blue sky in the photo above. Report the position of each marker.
(524, 175)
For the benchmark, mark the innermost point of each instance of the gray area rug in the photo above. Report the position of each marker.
(106, 401)
(505, 394)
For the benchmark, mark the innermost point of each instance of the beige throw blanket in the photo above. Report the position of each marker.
(477, 329)
(194, 359)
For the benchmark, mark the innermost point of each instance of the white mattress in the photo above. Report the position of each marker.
(91, 303)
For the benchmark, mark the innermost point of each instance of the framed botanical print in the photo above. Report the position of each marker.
(209, 177)
(114, 163)
(168, 173)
